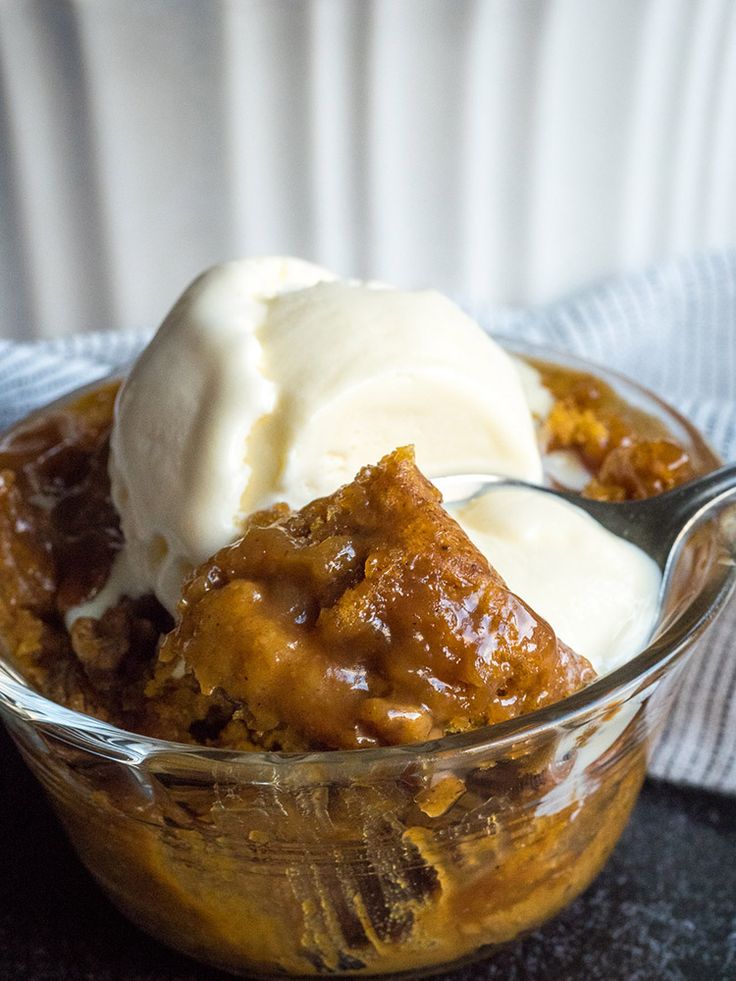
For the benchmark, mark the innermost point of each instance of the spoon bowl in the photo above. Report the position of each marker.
(659, 526)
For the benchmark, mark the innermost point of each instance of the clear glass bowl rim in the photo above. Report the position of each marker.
(103, 739)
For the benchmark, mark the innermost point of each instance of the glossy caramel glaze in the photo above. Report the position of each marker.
(630, 455)
(56, 493)
(59, 534)
(373, 604)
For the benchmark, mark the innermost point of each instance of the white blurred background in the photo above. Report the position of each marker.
(502, 150)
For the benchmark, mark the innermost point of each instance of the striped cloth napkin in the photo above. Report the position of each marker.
(672, 327)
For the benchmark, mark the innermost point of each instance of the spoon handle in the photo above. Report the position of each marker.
(685, 507)
(703, 493)
(657, 523)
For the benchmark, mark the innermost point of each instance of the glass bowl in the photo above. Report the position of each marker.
(407, 860)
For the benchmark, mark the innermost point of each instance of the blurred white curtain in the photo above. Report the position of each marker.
(505, 150)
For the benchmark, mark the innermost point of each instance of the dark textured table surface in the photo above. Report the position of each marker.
(664, 909)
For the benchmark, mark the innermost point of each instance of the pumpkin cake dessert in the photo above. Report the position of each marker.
(372, 603)
(305, 654)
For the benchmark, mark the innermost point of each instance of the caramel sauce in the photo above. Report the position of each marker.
(59, 534)
(630, 455)
(57, 493)
(367, 618)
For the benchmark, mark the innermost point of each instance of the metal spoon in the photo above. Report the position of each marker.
(658, 525)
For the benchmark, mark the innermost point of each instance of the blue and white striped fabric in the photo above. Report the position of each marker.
(673, 328)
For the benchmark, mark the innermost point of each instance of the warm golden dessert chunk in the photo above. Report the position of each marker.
(54, 470)
(58, 535)
(367, 618)
(637, 471)
(630, 454)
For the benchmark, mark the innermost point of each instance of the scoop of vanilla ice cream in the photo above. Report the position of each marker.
(385, 368)
(179, 459)
(270, 380)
